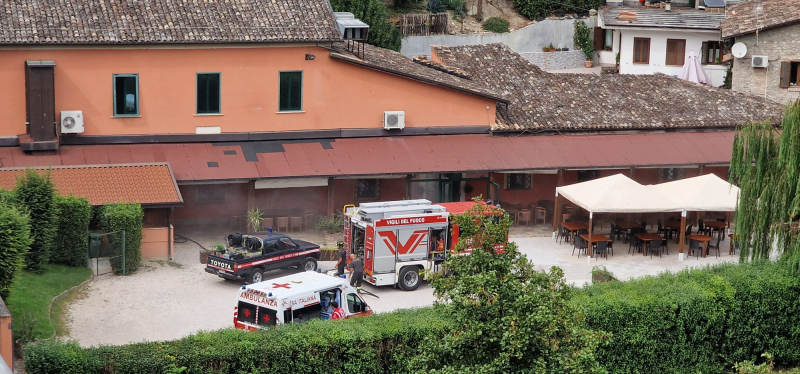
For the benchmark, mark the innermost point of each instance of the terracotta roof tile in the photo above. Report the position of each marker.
(148, 184)
(744, 18)
(395, 63)
(549, 102)
(165, 21)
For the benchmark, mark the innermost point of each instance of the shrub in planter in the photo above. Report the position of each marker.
(14, 240)
(126, 217)
(496, 24)
(601, 274)
(332, 227)
(35, 194)
(582, 39)
(75, 213)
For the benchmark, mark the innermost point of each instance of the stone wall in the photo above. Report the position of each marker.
(779, 44)
(528, 39)
(556, 60)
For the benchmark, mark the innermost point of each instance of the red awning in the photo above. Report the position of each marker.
(398, 155)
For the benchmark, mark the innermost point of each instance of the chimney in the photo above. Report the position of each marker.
(668, 5)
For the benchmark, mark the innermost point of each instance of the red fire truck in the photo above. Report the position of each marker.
(397, 239)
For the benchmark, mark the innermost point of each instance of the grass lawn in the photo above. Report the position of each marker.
(31, 295)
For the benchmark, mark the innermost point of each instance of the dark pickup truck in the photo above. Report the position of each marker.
(248, 256)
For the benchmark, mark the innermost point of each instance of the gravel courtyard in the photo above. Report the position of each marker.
(170, 300)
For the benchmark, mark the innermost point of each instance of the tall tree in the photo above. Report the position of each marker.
(35, 194)
(765, 164)
(507, 317)
(372, 12)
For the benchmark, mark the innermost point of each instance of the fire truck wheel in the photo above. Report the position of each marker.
(255, 277)
(310, 265)
(409, 278)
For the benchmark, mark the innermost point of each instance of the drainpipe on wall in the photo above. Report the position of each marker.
(169, 234)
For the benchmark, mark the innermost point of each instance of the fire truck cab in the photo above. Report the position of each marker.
(398, 239)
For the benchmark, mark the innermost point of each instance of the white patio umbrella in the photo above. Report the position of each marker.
(693, 70)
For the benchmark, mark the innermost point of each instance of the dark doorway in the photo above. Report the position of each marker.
(450, 187)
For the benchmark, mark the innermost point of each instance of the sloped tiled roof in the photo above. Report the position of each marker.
(165, 21)
(660, 18)
(396, 63)
(545, 101)
(744, 18)
(148, 184)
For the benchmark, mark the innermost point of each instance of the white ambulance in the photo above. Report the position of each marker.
(398, 239)
(295, 298)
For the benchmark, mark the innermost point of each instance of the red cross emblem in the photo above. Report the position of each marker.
(266, 318)
(247, 313)
(284, 285)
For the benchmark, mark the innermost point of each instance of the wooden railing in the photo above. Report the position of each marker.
(423, 24)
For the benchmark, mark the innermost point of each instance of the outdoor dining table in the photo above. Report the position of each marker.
(716, 225)
(702, 239)
(647, 238)
(627, 226)
(596, 238)
(574, 227)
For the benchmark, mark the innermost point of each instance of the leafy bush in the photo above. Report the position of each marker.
(582, 39)
(331, 225)
(381, 343)
(435, 6)
(14, 240)
(35, 194)
(126, 217)
(458, 6)
(496, 24)
(73, 227)
(6, 196)
(536, 9)
(698, 321)
(372, 12)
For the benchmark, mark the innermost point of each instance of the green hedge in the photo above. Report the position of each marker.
(73, 227)
(699, 321)
(14, 241)
(128, 217)
(496, 24)
(35, 193)
(381, 343)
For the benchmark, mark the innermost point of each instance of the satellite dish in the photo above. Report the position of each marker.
(739, 50)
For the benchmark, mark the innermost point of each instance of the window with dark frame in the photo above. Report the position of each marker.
(641, 50)
(790, 74)
(210, 194)
(587, 175)
(671, 174)
(518, 181)
(712, 51)
(126, 95)
(368, 189)
(676, 52)
(290, 98)
(208, 93)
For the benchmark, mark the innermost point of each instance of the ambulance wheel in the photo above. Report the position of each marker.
(255, 276)
(310, 265)
(409, 278)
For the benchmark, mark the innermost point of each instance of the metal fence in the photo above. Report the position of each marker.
(106, 252)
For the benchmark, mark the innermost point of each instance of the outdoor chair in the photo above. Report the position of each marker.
(701, 229)
(714, 247)
(282, 223)
(687, 233)
(616, 231)
(655, 246)
(296, 222)
(267, 223)
(636, 245)
(660, 230)
(524, 215)
(665, 244)
(644, 225)
(601, 249)
(634, 231)
(539, 214)
(694, 248)
(563, 233)
(579, 244)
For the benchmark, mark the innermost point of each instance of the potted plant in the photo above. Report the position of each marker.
(551, 48)
(216, 247)
(583, 42)
(332, 227)
(600, 275)
(254, 218)
(545, 49)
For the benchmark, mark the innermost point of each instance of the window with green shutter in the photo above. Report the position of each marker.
(291, 91)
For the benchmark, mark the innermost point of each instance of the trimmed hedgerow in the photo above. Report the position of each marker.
(14, 241)
(73, 227)
(496, 24)
(381, 343)
(35, 194)
(698, 321)
(128, 217)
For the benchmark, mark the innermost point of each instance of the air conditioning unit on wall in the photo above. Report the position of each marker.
(760, 61)
(394, 120)
(71, 121)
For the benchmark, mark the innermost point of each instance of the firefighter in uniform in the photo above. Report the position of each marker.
(342, 255)
(356, 271)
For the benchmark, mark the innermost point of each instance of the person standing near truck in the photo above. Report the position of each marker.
(356, 271)
(342, 255)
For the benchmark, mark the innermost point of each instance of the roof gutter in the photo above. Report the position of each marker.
(343, 58)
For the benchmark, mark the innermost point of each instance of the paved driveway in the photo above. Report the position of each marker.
(167, 301)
